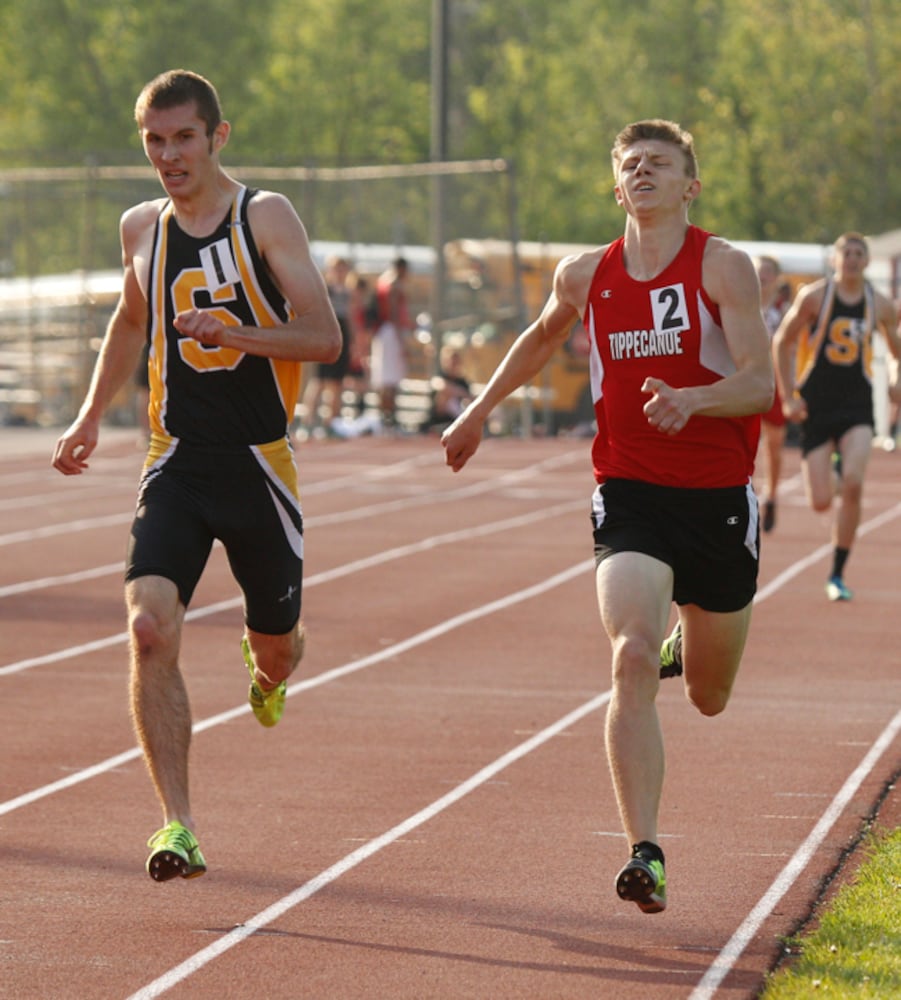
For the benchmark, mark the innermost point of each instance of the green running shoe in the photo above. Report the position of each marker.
(671, 654)
(267, 705)
(174, 851)
(643, 882)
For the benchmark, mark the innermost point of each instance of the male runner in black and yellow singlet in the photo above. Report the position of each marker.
(824, 347)
(219, 281)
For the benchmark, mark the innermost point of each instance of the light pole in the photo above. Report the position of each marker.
(438, 154)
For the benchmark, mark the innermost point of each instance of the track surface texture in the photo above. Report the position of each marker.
(432, 818)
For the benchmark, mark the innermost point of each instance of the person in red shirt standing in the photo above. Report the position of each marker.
(389, 351)
(773, 421)
(680, 371)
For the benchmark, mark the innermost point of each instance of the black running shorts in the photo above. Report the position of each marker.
(709, 538)
(247, 499)
(830, 425)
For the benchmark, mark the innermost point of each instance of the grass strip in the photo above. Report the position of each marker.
(855, 948)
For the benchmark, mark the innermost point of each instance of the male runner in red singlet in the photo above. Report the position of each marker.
(219, 281)
(830, 326)
(680, 370)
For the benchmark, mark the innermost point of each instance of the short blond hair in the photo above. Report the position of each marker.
(662, 130)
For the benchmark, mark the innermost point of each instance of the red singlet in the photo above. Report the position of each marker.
(667, 328)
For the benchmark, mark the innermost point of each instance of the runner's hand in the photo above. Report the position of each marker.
(668, 408)
(461, 440)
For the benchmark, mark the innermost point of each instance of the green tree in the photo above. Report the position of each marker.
(74, 69)
(794, 108)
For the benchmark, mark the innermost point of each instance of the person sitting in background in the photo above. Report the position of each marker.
(451, 392)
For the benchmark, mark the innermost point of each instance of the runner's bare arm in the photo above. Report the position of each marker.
(528, 354)
(119, 353)
(731, 281)
(313, 334)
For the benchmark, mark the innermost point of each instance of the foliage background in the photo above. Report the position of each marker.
(794, 107)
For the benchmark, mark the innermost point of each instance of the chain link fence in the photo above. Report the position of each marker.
(60, 259)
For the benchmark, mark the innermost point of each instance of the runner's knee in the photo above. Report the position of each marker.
(635, 664)
(149, 634)
(277, 656)
(852, 489)
(708, 700)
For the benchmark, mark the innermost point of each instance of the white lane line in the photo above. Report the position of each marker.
(725, 961)
(778, 582)
(727, 957)
(326, 576)
(234, 937)
(52, 530)
(85, 487)
(366, 510)
(427, 635)
(100, 486)
(45, 582)
(442, 495)
(716, 972)
(126, 517)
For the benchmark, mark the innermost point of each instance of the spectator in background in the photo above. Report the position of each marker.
(361, 345)
(451, 392)
(326, 385)
(823, 347)
(894, 411)
(773, 305)
(389, 351)
(363, 314)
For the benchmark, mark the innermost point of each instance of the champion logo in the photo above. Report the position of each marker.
(732, 520)
(606, 293)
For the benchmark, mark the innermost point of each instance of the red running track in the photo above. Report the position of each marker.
(433, 817)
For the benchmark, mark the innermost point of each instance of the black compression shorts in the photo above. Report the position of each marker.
(826, 426)
(247, 499)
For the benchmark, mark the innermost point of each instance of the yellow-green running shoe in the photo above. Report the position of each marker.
(671, 654)
(643, 882)
(267, 705)
(174, 851)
